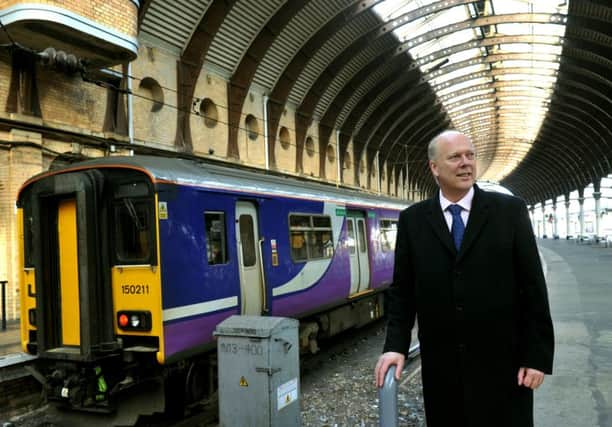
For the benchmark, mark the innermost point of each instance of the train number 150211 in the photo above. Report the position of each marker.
(135, 289)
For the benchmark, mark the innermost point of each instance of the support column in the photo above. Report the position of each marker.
(555, 233)
(597, 197)
(581, 213)
(544, 219)
(567, 217)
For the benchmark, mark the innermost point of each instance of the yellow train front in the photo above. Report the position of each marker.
(90, 288)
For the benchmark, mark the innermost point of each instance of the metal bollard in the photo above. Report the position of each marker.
(387, 400)
(4, 282)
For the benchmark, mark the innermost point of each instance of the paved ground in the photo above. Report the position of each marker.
(579, 393)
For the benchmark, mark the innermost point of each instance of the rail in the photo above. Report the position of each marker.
(387, 394)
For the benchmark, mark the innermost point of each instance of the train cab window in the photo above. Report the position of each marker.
(216, 248)
(247, 240)
(310, 237)
(133, 223)
(132, 231)
(388, 234)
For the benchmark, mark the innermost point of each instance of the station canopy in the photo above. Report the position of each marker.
(528, 80)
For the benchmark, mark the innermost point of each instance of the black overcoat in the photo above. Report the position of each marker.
(482, 313)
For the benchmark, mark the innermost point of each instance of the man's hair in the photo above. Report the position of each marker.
(432, 148)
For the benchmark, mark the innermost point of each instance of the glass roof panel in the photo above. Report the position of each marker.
(495, 79)
(444, 42)
(463, 85)
(527, 47)
(532, 28)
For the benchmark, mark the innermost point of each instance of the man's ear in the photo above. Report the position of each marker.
(434, 168)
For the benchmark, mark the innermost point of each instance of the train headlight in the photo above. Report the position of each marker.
(134, 320)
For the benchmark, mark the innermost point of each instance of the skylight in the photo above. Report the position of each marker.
(493, 65)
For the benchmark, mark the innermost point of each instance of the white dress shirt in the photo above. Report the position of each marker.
(465, 203)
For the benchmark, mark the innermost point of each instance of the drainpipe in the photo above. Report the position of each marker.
(265, 125)
(130, 107)
(378, 178)
(338, 166)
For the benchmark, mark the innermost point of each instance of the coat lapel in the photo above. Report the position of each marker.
(479, 215)
(438, 223)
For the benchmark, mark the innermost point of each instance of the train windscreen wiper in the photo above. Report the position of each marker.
(129, 205)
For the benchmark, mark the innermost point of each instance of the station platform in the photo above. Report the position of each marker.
(579, 393)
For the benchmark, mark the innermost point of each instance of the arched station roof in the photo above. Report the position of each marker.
(529, 81)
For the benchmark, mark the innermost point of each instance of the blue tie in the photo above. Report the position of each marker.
(457, 227)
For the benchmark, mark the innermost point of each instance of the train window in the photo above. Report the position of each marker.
(299, 251)
(311, 237)
(133, 230)
(247, 239)
(362, 238)
(321, 221)
(388, 234)
(216, 248)
(350, 231)
(299, 221)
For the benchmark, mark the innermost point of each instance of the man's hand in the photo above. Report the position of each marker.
(531, 378)
(383, 364)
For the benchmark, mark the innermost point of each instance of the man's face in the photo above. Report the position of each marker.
(454, 166)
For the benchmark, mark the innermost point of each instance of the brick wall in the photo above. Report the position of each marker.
(60, 94)
(206, 138)
(155, 127)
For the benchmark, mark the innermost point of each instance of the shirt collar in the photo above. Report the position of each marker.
(465, 202)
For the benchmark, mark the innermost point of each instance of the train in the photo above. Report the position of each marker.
(130, 262)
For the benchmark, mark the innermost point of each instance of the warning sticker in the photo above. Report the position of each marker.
(163, 210)
(287, 393)
(243, 382)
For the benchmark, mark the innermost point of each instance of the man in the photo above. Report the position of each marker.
(467, 268)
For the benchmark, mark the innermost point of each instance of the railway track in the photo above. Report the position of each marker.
(355, 346)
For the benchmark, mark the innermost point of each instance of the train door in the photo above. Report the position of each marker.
(68, 272)
(358, 251)
(249, 259)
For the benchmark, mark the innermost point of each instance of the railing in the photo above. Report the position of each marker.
(387, 394)
(387, 400)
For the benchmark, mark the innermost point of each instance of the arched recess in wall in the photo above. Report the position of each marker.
(154, 93)
(208, 110)
(285, 138)
(310, 147)
(252, 127)
(331, 153)
(348, 161)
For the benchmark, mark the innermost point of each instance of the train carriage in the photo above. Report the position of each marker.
(129, 263)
